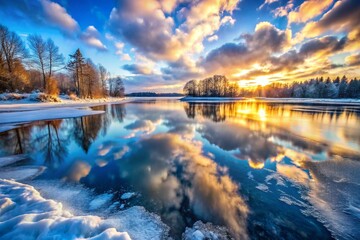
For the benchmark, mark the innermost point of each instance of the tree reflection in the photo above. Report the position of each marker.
(16, 141)
(257, 131)
(217, 112)
(118, 112)
(48, 141)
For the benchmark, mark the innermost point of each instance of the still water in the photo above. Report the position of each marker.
(262, 170)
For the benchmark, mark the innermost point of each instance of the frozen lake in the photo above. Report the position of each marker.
(260, 170)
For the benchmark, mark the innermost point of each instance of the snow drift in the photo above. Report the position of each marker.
(25, 214)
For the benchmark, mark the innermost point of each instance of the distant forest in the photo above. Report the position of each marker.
(38, 65)
(219, 86)
(153, 94)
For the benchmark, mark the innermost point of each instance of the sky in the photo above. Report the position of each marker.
(158, 45)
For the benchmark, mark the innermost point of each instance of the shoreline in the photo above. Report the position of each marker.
(317, 101)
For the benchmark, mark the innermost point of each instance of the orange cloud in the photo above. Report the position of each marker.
(309, 10)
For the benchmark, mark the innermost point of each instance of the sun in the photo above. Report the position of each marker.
(262, 81)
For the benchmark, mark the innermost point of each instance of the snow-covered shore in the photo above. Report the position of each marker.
(347, 101)
(26, 214)
(15, 112)
(67, 211)
(26, 102)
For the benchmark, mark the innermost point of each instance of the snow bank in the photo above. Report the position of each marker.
(21, 173)
(12, 96)
(38, 98)
(25, 214)
(8, 160)
(45, 114)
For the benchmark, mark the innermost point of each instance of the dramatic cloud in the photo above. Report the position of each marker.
(309, 10)
(256, 47)
(343, 17)
(153, 33)
(264, 54)
(323, 46)
(43, 12)
(91, 36)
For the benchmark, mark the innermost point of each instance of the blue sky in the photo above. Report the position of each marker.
(158, 45)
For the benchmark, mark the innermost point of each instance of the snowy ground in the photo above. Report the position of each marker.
(347, 101)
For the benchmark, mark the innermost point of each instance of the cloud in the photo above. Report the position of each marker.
(184, 68)
(41, 12)
(268, 52)
(255, 47)
(138, 69)
(353, 60)
(308, 10)
(323, 46)
(91, 37)
(119, 51)
(344, 16)
(58, 16)
(213, 38)
(284, 10)
(153, 32)
(266, 2)
(227, 20)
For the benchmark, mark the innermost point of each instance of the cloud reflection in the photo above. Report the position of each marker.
(176, 174)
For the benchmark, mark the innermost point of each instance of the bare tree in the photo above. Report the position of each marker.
(117, 87)
(38, 49)
(55, 59)
(46, 57)
(12, 54)
(104, 75)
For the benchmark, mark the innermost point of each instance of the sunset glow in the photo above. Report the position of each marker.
(160, 45)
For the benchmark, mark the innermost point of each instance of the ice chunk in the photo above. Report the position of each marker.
(262, 187)
(100, 201)
(201, 231)
(140, 224)
(127, 195)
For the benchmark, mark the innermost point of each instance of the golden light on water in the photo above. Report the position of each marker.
(256, 165)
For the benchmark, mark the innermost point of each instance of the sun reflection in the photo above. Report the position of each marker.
(262, 114)
(256, 165)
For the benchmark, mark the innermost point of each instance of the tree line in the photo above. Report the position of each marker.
(37, 64)
(219, 86)
(216, 86)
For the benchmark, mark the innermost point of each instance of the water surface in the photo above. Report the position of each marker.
(261, 170)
